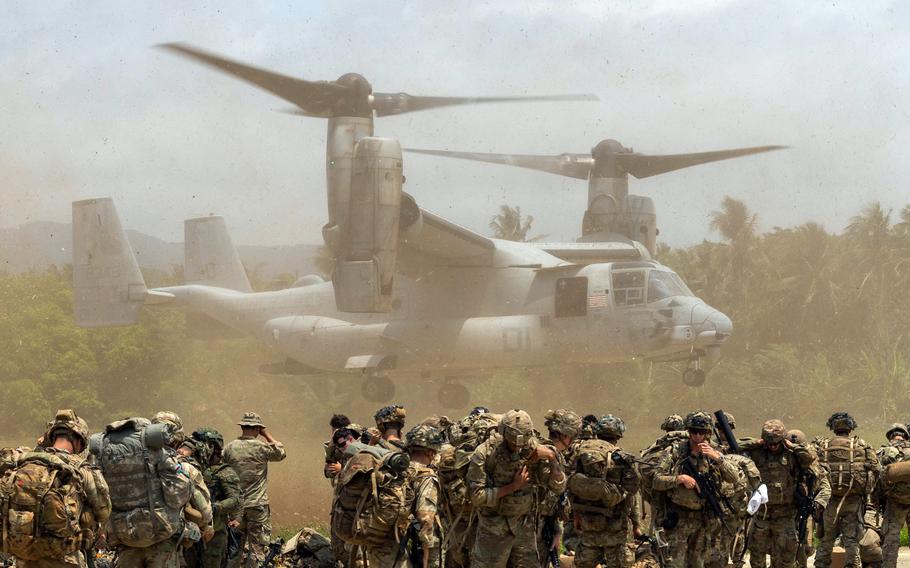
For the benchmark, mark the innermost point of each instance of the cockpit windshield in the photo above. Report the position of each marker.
(664, 284)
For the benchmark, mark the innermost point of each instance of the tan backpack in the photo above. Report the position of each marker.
(845, 458)
(40, 505)
(371, 501)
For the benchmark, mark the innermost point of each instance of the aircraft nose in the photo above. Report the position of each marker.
(711, 325)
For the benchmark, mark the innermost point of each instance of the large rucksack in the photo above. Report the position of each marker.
(148, 487)
(41, 501)
(845, 458)
(371, 499)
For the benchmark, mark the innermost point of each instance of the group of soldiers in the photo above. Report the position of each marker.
(145, 491)
(490, 491)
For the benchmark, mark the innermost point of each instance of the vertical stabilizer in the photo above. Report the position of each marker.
(107, 284)
(210, 257)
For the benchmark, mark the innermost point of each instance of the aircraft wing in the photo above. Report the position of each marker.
(592, 252)
(452, 244)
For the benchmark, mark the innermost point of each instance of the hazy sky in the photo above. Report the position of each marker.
(88, 108)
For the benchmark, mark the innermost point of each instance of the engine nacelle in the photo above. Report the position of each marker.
(643, 221)
(365, 266)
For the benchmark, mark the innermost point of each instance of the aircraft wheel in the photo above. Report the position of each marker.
(454, 395)
(377, 388)
(693, 377)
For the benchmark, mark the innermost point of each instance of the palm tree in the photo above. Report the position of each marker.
(509, 225)
(870, 236)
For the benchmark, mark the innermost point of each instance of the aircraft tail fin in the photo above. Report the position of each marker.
(108, 287)
(210, 257)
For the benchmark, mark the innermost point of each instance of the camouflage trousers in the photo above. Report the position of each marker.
(848, 523)
(388, 555)
(160, 555)
(505, 541)
(774, 533)
(607, 547)
(74, 560)
(893, 520)
(723, 547)
(688, 540)
(256, 534)
(459, 542)
(215, 550)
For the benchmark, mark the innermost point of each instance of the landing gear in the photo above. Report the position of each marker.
(694, 377)
(453, 394)
(377, 388)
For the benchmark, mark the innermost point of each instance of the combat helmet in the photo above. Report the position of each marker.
(386, 416)
(797, 437)
(609, 426)
(424, 436)
(562, 421)
(66, 419)
(673, 423)
(699, 420)
(200, 451)
(175, 433)
(210, 437)
(841, 421)
(516, 428)
(898, 428)
(773, 432)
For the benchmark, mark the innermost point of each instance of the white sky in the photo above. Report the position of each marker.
(88, 109)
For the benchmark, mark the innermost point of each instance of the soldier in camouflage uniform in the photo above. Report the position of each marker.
(199, 509)
(503, 476)
(785, 468)
(390, 423)
(688, 519)
(334, 457)
(674, 430)
(563, 427)
(224, 486)
(249, 457)
(897, 495)
(852, 472)
(423, 443)
(602, 487)
(66, 439)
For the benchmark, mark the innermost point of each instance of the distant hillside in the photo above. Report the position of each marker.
(37, 245)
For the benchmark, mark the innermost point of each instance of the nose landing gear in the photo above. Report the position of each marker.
(694, 375)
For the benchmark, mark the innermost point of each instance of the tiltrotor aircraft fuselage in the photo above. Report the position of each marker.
(411, 292)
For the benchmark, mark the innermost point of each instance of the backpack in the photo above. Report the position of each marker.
(41, 500)
(371, 499)
(148, 487)
(845, 458)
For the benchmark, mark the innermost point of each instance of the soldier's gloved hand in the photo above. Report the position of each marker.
(687, 481)
(522, 477)
(233, 523)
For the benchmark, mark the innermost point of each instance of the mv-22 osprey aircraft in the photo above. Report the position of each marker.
(411, 293)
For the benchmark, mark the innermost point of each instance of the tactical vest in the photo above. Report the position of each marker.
(682, 498)
(41, 502)
(501, 469)
(845, 458)
(778, 473)
(148, 487)
(599, 485)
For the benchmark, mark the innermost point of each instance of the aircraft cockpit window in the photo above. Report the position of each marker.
(663, 284)
(571, 299)
(629, 287)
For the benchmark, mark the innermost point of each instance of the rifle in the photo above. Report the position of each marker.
(548, 533)
(709, 491)
(805, 506)
(721, 420)
(658, 545)
(233, 543)
(274, 550)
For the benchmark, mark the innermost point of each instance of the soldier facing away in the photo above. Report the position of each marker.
(895, 493)
(503, 476)
(423, 443)
(852, 472)
(67, 517)
(249, 457)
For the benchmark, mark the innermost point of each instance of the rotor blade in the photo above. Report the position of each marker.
(386, 104)
(569, 165)
(643, 165)
(314, 98)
